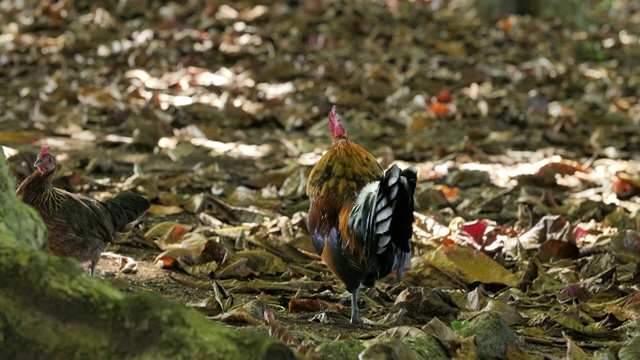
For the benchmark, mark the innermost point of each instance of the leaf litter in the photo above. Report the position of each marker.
(527, 203)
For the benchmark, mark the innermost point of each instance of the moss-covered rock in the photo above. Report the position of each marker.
(18, 221)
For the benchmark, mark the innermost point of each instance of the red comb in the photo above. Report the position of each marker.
(335, 125)
(44, 150)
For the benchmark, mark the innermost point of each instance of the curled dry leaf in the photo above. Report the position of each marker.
(165, 210)
(554, 250)
(304, 305)
(510, 314)
(206, 255)
(210, 221)
(238, 215)
(194, 242)
(254, 262)
(395, 317)
(292, 254)
(237, 269)
(191, 203)
(456, 346)
(125, 264)
(205, 270)
(626, 246)
(166, 233)
(476, 299)
(277, 330)
(402, 332)
(186, 253)
(238, 317)
(210, 306)
(223, 298)
(571, 323)
(550, 227)
(215, 250)
(322, 318)
(256, 307)
(423, 303)
(173, 257)
(128, 265)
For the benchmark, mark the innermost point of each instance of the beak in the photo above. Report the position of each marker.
(38, 162)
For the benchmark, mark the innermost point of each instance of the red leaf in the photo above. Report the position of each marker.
(300, 305)
(575, 291)
(476, 229)
(450, 193)
(477, 232)
(447, 241)
(579, 233)
(554, 250)
(438, 108)
(634, 299)
(445, 97)
(165, 263)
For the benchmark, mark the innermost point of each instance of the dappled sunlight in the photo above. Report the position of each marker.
(234, 149)
(522, 123)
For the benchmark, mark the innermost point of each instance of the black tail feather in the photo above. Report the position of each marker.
(382, 219)
(125, 208)
(402, 224)
(394, 209)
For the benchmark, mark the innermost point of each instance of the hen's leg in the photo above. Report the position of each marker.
(354, 307)
(92, 271)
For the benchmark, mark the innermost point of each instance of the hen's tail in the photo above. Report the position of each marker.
(125, 208)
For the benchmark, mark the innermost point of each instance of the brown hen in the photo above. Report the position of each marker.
(78, 226)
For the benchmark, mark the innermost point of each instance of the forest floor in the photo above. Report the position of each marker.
(525, 130)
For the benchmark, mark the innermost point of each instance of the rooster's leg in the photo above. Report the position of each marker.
(92, 270)
(354, 307)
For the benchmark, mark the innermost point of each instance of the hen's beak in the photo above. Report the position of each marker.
(38, 162)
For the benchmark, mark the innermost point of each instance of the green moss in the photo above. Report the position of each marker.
(338, 350)
(20, 224)
(427, 347)
(49, 308)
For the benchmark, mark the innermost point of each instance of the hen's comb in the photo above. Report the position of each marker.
(44, 150)
(335, 124)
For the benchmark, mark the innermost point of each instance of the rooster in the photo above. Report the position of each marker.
(78, 226)
(360, 217)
